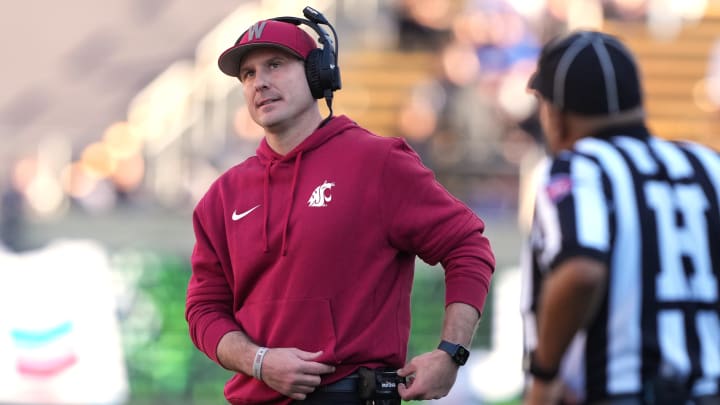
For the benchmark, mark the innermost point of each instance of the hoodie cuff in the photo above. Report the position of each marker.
(215, 332)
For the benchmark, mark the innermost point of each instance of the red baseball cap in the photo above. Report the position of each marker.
(266, 33)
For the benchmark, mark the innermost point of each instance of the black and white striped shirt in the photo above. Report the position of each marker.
(649, 209)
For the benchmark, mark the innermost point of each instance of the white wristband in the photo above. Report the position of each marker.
(257, 364)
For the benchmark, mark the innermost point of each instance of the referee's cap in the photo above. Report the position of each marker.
(589, 73)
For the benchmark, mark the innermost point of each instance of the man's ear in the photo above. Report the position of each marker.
(559, 122)
(563, 127)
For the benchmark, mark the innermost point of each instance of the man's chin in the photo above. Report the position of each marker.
(267, 120)
(272, 123)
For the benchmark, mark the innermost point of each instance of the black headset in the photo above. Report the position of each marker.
(321, 68)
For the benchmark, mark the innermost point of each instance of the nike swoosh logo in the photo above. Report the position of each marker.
(236, 216)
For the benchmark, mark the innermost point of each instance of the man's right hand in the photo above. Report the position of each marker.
(293, 372)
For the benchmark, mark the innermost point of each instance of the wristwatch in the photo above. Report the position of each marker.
(541, 373)
(457, 352)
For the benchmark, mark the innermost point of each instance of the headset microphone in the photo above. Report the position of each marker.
(315, 16)
(321, 66)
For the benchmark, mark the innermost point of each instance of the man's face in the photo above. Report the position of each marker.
(275, 87)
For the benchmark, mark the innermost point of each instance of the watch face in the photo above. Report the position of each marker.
(461, 355)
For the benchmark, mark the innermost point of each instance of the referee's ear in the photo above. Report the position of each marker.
(564, 129)
(554, 126)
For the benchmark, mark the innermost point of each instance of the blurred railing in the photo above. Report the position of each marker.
(675, 73)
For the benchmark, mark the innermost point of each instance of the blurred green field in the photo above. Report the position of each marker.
(165, 368)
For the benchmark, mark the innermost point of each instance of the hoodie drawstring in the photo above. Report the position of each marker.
(266, 205)
(290, 203)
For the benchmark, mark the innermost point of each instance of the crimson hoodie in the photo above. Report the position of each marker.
(315, 250)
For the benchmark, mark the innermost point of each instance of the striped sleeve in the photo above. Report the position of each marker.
(571, 213)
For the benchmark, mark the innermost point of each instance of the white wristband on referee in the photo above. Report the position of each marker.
(257, 363)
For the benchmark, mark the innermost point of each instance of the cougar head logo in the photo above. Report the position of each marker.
(320, 196)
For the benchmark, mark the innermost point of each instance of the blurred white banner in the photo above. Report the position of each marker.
(59, 336)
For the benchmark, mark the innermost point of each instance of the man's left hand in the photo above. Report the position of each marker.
(429, 375)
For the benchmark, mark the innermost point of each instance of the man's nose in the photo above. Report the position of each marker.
(261, 79)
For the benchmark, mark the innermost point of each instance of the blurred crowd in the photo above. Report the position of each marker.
(472, 121)
(474, 116)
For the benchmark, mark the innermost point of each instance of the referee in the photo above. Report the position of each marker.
(620, 288)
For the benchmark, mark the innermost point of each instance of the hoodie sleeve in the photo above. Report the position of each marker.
(426, 220)
(209, 300)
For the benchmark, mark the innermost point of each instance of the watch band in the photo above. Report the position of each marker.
(541, 373)
(458, 353)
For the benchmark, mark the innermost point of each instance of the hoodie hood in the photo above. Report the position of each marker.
(269, 158)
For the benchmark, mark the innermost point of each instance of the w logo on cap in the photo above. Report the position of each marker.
(255, 32)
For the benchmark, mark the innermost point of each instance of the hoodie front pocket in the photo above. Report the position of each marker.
(305, 324)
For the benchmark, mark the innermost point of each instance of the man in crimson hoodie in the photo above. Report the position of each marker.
(304, 255)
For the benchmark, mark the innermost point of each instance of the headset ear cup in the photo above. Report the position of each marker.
(312, 72)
